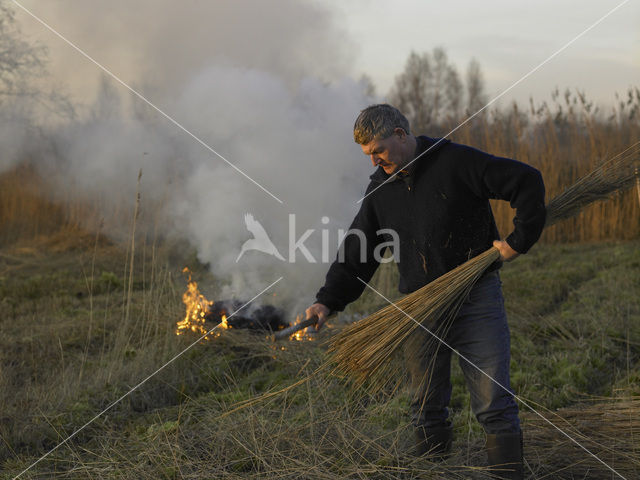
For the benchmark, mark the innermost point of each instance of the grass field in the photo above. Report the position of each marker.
(91, 288)
(81, 327)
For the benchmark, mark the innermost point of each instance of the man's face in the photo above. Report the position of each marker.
(388, 153)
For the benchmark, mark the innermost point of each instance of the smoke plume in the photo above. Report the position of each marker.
(266, 84)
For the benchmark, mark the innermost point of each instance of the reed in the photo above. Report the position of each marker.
(565, 139)
(364, 350)
(616, 175)
(609, 427)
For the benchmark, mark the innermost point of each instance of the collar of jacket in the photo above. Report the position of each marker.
(423, 144)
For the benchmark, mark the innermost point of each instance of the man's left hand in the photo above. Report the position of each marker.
(506, 252)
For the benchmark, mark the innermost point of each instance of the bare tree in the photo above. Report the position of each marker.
(476, 96)
(428, 91)
(446, 89)
(22, 73)
(454, 93)
(410, 92)
(368, 86)
(19, 60)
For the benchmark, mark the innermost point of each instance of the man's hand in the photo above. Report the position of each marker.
(319, 310)
(506, 252)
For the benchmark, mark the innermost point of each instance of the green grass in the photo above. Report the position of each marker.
(68, 349)
(575, 332)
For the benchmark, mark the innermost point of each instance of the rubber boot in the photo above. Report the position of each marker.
(505, 455)
(435, 442)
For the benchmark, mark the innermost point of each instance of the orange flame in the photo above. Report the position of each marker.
(197, 306)
(302, 335)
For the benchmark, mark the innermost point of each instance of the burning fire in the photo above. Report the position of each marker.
(302, 335)
(197, 306)
(199, 311)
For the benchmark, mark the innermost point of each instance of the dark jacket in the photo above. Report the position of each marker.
(442, 215)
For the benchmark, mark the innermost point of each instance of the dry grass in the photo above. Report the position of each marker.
(30, 206)
(25, 209)
(63, 362)
(608, 427)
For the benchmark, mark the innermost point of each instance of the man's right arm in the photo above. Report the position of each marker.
(342, 284)
(318, 310)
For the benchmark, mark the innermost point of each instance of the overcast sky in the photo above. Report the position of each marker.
(353, 37)
(508, 38)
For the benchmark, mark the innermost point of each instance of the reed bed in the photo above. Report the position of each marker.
(612, 177)
(364, 350)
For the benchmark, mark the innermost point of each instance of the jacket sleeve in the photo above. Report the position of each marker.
(355, 259)
(519, 184)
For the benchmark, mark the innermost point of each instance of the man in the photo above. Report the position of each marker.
(435, 195)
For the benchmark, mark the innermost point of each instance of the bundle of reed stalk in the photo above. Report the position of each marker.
(615, 175)
(608, 427)
(363, 350)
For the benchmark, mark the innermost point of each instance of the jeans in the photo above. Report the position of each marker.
(481, 334)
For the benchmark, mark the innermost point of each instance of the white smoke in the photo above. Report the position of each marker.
(266, 84)
(299, 147)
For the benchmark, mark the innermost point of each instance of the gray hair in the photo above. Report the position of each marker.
(377, 122)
